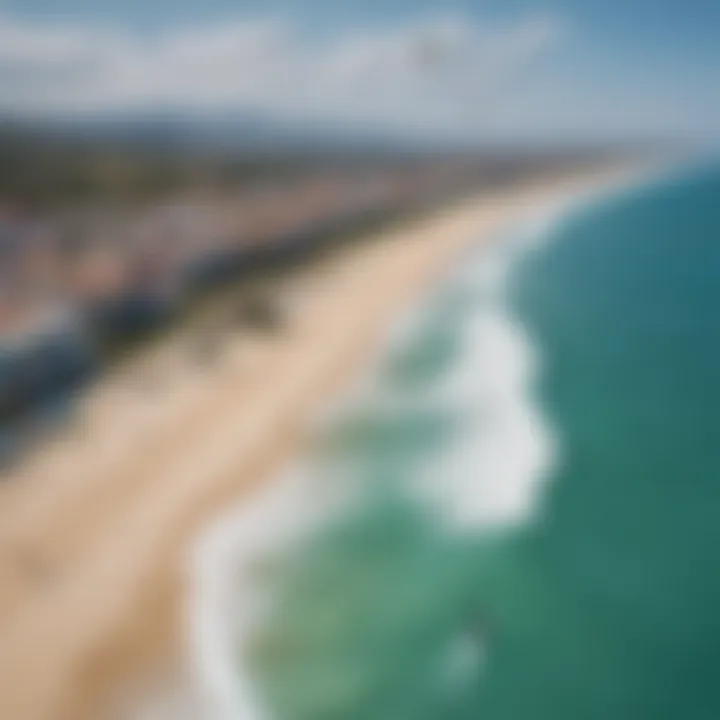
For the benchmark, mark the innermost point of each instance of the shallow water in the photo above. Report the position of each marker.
(534, 481)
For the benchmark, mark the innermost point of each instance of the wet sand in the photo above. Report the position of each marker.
(95, 527)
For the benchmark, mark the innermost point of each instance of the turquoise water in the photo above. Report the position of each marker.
(539, 474)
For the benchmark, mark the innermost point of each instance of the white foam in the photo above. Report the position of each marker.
(491, 476)
(229, 600)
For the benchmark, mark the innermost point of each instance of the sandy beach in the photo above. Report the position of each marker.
(96, 526)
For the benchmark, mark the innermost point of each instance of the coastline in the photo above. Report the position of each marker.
(114, 609)
(228, 599)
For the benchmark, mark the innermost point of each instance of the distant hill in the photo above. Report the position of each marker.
(140, 157)
(43, 163)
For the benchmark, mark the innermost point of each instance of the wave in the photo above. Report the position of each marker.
(489, 477)
(233, 563)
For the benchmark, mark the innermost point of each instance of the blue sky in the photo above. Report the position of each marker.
(516, 68)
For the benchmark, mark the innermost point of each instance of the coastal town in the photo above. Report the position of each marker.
(79, 281)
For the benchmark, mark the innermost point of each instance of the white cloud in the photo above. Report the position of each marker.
(432, 76)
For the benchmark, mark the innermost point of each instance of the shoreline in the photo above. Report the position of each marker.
(114, 533)
(225, 592)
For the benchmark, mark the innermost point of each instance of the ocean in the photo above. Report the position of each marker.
(524, 500)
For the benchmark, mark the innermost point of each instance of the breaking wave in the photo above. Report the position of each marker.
(489, 476)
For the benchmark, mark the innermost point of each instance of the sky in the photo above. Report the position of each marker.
(470, 70)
